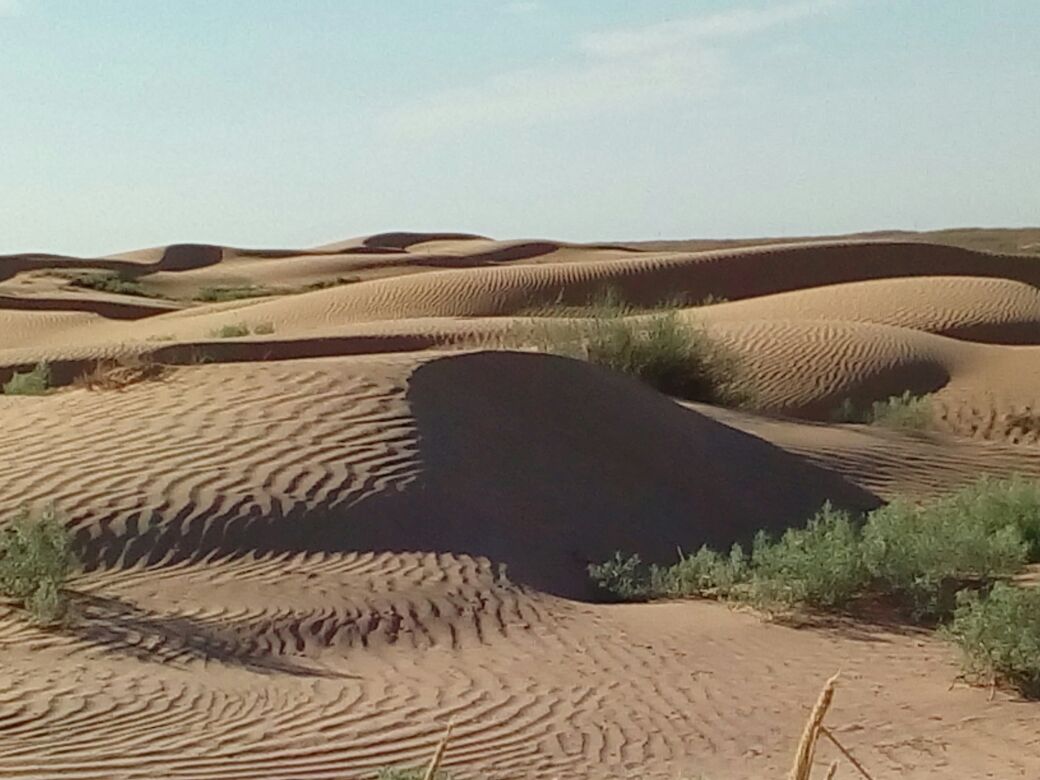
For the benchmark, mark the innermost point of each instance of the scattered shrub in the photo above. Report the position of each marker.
(907, 412)
(35, 560)
(110, 282)
(230, 331)
(264, 329)
(410, 773)
(999, 635)
(705, 573)
(34, 382)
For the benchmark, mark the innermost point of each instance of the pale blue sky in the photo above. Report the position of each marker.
(130, 123)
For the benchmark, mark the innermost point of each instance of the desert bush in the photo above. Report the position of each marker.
(925, 554)
(230, 331)
(34, 382)
(623, 578)
(35, 560)
(907, 412)
(999, 634)
(996, 503)
(410, 773)
(264, 328)
(820, 565)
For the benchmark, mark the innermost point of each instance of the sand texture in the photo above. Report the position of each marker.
(311, 545)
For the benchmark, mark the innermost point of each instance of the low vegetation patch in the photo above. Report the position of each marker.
(222, 293)
(906, 412)
(34, 382)
(110, 282)
(936, 561)
(667, 352)
(36, 559)
(235, 331)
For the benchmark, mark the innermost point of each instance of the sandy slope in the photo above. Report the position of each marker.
(312, 550)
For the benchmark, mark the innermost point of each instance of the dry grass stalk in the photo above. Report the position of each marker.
(438, 755)
(803, 759)
(832, 771)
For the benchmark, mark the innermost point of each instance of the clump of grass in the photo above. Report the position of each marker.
(324, 284)
(264, 328)
(999, 634)
(674, 356)
(220, 293)
(237, 330)
(36, 559)
(906, 412)
(110, 282)
(34, 382)
(920, 556)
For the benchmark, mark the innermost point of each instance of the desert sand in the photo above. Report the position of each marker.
(309, 549)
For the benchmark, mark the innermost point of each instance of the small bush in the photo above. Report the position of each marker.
(410, 773)
(35, 560)
(119, 373)
(820, 565)
(999, 635)
(219, 294)
(906, 412)
(623, 578)
(34, 382)
(264, 329)
(230, 331)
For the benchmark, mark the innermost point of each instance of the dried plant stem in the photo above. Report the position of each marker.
(438, 755)
(803, 758)
(827, 733)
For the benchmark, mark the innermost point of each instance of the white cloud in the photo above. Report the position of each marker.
(607, 72)
(695, 30)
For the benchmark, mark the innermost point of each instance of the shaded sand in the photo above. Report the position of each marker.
(310, 549)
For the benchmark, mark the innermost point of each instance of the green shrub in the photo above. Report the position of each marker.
(906, 412)
(34, 382)
(35, 560)
(820, 565)
(230, 331)
(222, 293)
(996, 503)
(999, 635)
(623, 578)
(705, 573)
(925, 554)
(264, 328)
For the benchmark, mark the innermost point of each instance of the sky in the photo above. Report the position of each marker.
(291, 123)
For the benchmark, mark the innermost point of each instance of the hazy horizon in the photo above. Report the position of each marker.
(283, 124)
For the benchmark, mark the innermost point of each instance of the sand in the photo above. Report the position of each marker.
(307, 550)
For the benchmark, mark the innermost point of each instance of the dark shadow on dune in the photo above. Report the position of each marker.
(540, 463)
(121, 628)
(404, 239)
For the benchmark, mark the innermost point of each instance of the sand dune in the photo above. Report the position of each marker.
(308, 549)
